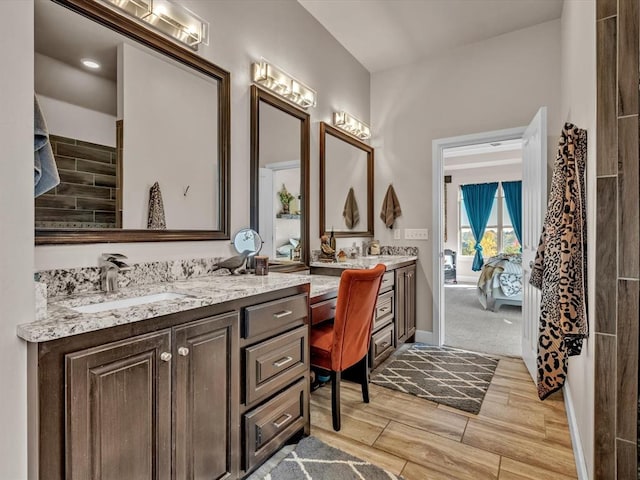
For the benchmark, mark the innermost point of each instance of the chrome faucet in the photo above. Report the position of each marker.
(110, 264)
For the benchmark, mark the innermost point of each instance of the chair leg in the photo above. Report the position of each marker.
(363, 366)
(335, 399)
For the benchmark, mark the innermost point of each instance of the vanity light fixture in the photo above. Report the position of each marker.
(278, 81)
(169, 18)
(352, 125)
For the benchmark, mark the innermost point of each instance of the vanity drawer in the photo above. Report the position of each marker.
(267, 427)
(270, 365)
(274, 317)
(381, 345)
(384, 310)
(323, 311)
(388, 281)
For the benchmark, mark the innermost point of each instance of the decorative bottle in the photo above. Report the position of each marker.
(332, 240)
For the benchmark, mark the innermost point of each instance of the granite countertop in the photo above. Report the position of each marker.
(368, 262)
(62, 321)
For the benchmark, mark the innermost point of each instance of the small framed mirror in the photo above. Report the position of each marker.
(346, 184)
(280, 178)
(247, 240)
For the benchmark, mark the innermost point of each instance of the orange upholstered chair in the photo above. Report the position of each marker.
(345, 343)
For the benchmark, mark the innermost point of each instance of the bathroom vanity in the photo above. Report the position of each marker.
(208, 384)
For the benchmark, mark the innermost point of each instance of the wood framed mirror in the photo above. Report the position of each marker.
(280, 145)
(172, 111)
(346, 184)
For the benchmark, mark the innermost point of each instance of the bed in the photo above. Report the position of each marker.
(500, 282)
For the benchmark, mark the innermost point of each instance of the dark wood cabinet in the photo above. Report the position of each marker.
(405, 290)
(121, 412)
(118, 410)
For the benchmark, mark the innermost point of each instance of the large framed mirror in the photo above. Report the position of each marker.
(280, 178)
(153, 111)
(346, 184)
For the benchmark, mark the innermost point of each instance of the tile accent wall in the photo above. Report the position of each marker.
(616, 318)
(86, 195)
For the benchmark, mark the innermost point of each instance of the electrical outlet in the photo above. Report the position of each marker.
(397, 234)
(416, 233)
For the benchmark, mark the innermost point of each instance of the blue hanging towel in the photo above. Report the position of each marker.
(45, 172)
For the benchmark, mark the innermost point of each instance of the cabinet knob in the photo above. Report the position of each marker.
(183, 351)
(165, 356)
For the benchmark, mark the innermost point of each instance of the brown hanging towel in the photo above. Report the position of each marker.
(560, 267)
(156, 220)
(390, 207)
(350, 212)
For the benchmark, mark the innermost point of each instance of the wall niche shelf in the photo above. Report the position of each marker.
(290, 216)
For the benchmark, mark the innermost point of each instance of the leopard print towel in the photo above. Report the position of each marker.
(560, 266)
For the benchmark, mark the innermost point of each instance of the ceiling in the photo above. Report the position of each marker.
(383, 34)
(483, 155)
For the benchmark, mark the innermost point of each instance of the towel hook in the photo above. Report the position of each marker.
(186, 190)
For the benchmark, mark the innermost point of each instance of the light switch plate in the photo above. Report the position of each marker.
(397, 234)
(416, 233)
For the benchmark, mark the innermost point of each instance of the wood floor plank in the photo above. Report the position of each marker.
(413, 471)
(389, 462)
(527, 422)
(416, 412)
(558, 432)
(540, 453)
(513, 470)
(459, 461)
(355, 424)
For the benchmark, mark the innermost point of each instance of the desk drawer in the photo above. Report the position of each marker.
(323, 311)
(270, 365)
(276, 316)
(384, 310)
(381, 345)
(388, 281)
(267, 427)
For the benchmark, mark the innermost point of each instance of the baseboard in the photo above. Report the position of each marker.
(578, 451)
(423, 336)
(467, 279)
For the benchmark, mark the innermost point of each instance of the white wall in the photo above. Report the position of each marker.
(490, 85)
(16, 229)
(169, 113)
(578, 106)
(67, 120)
(242, 32)
(503, 173)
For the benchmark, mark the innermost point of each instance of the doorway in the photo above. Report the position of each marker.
(534, 178)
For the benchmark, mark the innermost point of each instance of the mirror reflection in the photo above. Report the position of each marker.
(280, 162)
(346, 174)
(132, 120)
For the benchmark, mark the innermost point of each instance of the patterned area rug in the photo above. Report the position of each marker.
(445, 375)
(315, 460)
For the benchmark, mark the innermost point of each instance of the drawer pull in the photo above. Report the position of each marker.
(282, 314)
(384, 309)
(384, 344)
(282, 420)
(283, 361)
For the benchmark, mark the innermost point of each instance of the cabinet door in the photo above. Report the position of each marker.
(207, 399)
(118, 410)
(405, 303)
(401, 307)
(410, 298)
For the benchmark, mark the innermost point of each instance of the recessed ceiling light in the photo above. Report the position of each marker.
(90, 63)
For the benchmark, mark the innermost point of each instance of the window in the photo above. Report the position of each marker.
(499, 235)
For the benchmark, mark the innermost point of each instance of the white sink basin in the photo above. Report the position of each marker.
(127, 302)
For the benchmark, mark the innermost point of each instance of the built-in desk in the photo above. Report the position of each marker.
(395, 314)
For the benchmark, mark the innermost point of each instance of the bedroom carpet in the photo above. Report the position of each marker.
(470, 327)
(450, 376)
(313, 459)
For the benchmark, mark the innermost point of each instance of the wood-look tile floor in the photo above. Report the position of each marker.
(514, 437)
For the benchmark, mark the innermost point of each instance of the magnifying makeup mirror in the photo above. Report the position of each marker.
(249, 240)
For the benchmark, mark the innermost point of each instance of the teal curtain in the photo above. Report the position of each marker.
(478, 200)
(513, 199)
